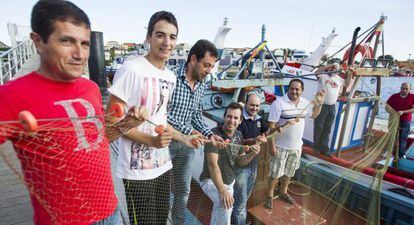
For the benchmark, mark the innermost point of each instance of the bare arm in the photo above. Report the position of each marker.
(271, 143)
(127, 132)
(408, 110)
(250, 141)
(244, 158)
(389, 109)
(116, 127)
(316, 109)
(226, 198)
(186, 139)
(317, 103)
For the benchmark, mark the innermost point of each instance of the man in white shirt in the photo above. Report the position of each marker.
(144, 161)
(331, 83)
(287, 117)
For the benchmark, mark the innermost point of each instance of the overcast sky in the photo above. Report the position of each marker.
(296, 24)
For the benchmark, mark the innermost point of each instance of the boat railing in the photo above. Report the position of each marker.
(13, 59)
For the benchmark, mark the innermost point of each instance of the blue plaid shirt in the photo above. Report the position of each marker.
(186, 105)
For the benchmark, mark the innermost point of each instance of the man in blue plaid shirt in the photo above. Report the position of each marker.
(185, 115)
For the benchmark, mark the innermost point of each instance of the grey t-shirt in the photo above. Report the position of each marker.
(226, 158)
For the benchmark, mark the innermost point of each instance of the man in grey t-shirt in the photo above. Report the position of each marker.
(217, 178)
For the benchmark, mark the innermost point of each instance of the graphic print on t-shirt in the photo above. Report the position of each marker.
(332, 83)
(156, 96)
(78, 121)
(165, 96)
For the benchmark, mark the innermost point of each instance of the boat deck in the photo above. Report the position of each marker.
(313, 208)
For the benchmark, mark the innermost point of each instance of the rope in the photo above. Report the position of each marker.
(305, 193)
(330, 57)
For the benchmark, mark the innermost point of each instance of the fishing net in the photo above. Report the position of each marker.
(351, 190)
(76, 188)
(346, 189)
(65, 165)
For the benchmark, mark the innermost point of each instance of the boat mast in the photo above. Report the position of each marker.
(348, 99)
(362, 71)
(378, 33)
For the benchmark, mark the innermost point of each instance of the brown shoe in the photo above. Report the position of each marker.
(287, 198)
(268, 202)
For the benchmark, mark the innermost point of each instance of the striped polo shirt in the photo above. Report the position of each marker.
(283, 110)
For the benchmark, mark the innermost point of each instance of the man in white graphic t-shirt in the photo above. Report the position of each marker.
(144, 161)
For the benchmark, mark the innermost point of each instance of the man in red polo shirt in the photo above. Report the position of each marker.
(403, 103)
(66, 162)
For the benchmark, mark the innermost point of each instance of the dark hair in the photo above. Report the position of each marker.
(46, 12)
(233, 105)
(200, 48)
(302, 85)
(161, 15)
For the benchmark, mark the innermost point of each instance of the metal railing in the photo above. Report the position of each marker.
(13, 59)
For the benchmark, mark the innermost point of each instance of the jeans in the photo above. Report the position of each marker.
(182, 159)
(114, 219)
(219, 214)
(245, 178)
(404, 132)
(322, 128)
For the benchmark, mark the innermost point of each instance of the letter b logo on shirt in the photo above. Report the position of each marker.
(77, 123)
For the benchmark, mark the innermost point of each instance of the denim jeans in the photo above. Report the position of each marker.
(182, 159)
(245, 178)
(404, 132)
(219, 214)
(322, 128)
(114, 219)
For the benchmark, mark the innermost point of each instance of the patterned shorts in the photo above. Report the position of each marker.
(286, 162)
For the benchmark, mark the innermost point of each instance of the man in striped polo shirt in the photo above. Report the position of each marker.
(287, 117)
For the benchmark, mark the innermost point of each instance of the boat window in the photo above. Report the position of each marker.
(172, 62)
(181, 61)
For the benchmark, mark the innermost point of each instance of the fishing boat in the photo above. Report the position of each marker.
(357, 191)
(347, 192)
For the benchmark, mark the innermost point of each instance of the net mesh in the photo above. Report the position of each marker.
(70, 188)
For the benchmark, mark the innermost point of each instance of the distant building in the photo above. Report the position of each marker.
(405, 68)
(128, 45)
(112, 44)
(183, 46)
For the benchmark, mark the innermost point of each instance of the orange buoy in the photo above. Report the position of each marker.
(28, 121)
(159, 129)
(366, 52)
(117, 110)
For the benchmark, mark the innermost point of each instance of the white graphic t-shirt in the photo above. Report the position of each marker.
(139, 83)
(332, 86)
